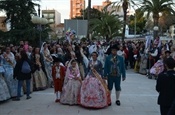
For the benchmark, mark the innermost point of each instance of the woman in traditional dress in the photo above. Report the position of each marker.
(157, 68)
(143, 60)
(72, 84)
(4, 91)
(39, 76)
(81, 64)
(69, 54)
(94, 92)
(47, 63)
(137, 59)
(8, 63)
(101, 53)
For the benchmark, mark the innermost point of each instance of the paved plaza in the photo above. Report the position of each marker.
(138, 97)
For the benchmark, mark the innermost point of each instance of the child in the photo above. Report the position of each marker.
(72, 84)
(58, 73)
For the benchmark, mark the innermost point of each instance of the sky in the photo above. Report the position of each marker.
(63, 6)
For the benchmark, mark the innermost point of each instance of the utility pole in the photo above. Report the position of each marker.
(135, 22)
(88, 17)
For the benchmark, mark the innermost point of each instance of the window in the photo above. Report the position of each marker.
(51, 15)
(51, 20)
(45, 15)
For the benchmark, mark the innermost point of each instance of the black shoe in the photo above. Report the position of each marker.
(118, 103)
(16, 99)
(109, 104)
(28, 97)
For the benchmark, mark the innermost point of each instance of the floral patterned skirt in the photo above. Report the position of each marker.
(70, 92)
(11, 83)
(93, 94)
(157, 68)
(4, 91)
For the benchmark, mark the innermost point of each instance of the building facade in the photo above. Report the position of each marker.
(60, 30)
(104, 4)
(53, 17)
(118, 9)
(75, 8)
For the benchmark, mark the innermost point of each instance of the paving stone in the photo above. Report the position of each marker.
(138, 97)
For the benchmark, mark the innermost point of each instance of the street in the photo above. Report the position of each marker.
(138, 97)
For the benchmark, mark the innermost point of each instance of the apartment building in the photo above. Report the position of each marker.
(100, 7)
(75, 8)
(52, 16)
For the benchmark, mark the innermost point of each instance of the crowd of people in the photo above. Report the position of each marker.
(78, 71)
(75, 71)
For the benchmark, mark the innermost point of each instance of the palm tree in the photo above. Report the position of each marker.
(165, 21)
(155, 7)
(125, 4)
(107, 26)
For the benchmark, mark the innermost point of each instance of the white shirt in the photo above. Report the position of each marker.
(120, 53)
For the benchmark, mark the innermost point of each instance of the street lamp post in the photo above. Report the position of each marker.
(155, 29)
(135, 24)
(39, 21)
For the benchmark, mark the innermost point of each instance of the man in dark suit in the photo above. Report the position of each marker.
(166, 86)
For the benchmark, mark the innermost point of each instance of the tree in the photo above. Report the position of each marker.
(94, 13)
(149, 24)
(125, 4)
(107, 26)
(140, 21)
(19, 13)
(165, 21)
(155, 7)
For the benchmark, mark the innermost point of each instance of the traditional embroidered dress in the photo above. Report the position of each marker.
(4, 91)
(39, 77)
(71, 87)
(157, 68)
(143, 64)
(8, 63)
(48, 64)
(101, 56)
(94, 92)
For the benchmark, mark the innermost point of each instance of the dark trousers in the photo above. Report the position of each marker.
(114, 80)
(126, 63)
(131, 62)
(172, 109)
(20, 83)
(150, 63)
(164, 110)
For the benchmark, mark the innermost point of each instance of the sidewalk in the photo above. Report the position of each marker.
(138, 97)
